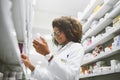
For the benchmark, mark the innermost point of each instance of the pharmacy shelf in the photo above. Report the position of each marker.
(111, 2)
(87, 25)
(9, 50)
(19, 18)
(100, 26)
(100, 74)
(102, 56)
(114, 12)
(103, 23)
(103, 10)
(89, 9)
(21, 14)
(106, 37)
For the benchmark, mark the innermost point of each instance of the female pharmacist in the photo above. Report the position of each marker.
(65, 64)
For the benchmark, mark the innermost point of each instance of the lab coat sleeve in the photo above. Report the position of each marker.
(41, 73)
(68, 70)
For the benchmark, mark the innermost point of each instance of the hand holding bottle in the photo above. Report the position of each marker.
(27, 62)
(41, 46)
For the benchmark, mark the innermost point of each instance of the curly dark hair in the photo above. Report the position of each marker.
(70, 26)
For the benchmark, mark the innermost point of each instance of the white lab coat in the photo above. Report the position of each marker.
(64, 66)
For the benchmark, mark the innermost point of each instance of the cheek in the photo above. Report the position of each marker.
(64, 39)
(61, 39)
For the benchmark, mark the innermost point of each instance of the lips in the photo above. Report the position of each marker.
(59, 40)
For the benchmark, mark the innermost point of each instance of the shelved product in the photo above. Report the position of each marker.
(100, 13)
(114, 12)
(100, 74)
(101, 25)
(101, 56)
(89, 9)
(106, 37)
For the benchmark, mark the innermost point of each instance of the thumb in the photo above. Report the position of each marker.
(23, 56)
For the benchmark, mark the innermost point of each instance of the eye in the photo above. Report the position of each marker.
(57, 33)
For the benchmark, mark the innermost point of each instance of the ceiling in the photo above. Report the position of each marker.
(46, 10)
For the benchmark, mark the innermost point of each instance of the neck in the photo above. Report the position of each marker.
(64, 43)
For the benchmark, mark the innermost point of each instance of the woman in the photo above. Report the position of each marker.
(65, 64)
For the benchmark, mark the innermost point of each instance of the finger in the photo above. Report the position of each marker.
(23, 56)
(43, 40)
(37, 42)
(35, 46)
(24, 61)
(37, 51)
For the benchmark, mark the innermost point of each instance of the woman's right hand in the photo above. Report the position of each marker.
(27, 62)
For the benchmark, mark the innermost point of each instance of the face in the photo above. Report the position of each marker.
(60, 36)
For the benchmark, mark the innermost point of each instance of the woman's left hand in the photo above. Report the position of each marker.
(41, 46)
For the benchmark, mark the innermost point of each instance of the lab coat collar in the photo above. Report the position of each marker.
(64, 47)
